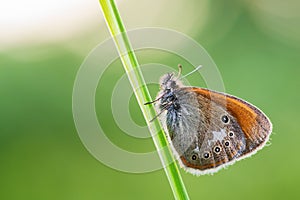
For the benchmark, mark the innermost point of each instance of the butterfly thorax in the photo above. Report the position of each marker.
(169, 100)
(169, 85)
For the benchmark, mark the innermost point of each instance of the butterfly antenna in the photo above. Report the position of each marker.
(196, 69)
(179, 71)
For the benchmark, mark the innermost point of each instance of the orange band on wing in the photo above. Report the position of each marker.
(203, 167)
(247, 115)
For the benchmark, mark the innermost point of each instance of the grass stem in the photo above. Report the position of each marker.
(131, 66)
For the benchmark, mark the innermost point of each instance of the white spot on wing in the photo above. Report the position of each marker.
(217, 135)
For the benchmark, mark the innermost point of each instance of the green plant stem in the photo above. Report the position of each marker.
(131, 66)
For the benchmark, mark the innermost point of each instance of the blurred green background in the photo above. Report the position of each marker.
(255, 44)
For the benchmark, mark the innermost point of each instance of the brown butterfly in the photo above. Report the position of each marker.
(208, 130)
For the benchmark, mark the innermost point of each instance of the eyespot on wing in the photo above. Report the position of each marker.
(254, 123)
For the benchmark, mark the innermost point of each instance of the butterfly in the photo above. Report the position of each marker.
(208, 130)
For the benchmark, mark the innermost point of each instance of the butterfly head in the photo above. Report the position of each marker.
(169, 82)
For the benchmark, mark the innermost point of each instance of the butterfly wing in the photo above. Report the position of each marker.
(212, 129)
(254, 123)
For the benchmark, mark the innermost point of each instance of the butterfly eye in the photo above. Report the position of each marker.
(231, 134)
(194, 157)
(206, 155)
(168, 91)
(217, 149)
(225, 119)
(227, 143)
